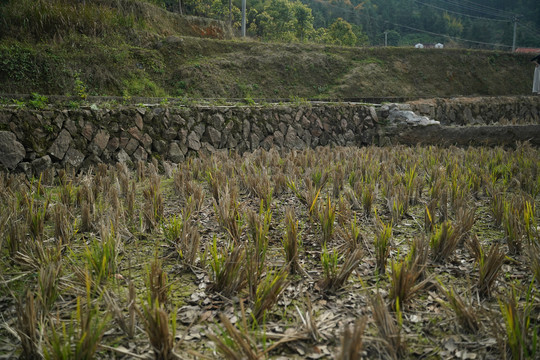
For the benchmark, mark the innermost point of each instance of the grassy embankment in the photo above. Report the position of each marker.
(132, 48)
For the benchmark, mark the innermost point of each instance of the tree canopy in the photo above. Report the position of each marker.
(479, 23)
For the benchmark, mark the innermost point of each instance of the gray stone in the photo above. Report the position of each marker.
(175, 153)
(139, 121)
(60, 145)
(136, 133)
(140, 154)
(11, 151)
(59, 120)
(131, 146)
(207, 148)
(70, 126)
(349, 135)
(41, 164)
(159, 146)
(74, 158)
(255, 141)
(113, 144)
(169, 134)
(91, 160)
(26, 168)
(146, 141)
(123, 157)
(396, 116)
(467, 114)
(279, 138)
(292, 141)
(178, 120)
(99, 143)
(194, 141)
(88, 131)
(246, 129)
(268, 142)
(213, 135)
(217, 121)
(199, 129)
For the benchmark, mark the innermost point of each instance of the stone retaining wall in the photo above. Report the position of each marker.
(481, 111)
(32, 140)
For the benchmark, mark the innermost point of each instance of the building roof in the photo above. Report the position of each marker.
(524, 50)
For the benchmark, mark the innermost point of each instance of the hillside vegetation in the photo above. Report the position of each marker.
(134, 48)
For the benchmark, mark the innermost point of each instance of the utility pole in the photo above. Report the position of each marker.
(385, 38)
(230, 14)
(243, 18)
(515, 19)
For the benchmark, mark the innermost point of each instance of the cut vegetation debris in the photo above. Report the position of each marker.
(334, 252)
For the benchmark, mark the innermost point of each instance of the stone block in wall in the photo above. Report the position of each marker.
(199, 129)
(59, 121)
(159, 146)
(305, 122)
(113, 144)
(135, 133)
(246, 129)
(306, 137)
(101, 139)
(213, 135)
(255, 141)
(299, 114)
(467, 116)
(123, 158)
(349, 136)
(70, 126)
(267, 143)
(170, 134)
(26, 168)
(207, 148)
(175, 154)
(41, 164)
(131, 146)
(60, 145)
(88, 131)
(176, 119)
(12, 152)
(5, 117)
(292, 141)
(140, 154)
(91, 160)
(194, 141)
(73, 158)
(217, 121)
(343, 123)
(139, 121)
(146, 141)
(279, 138)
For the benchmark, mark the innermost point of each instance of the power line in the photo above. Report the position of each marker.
(481, 9)
(458, 13)
(532, 30)
(412, 28)
(489, 8)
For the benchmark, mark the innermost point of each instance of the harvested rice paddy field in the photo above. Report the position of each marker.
(346, 253)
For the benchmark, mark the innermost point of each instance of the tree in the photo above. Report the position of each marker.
(341, 33)
(304, 21)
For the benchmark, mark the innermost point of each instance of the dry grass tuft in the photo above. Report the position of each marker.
(466, 314)
(389, 329)
(352, 341)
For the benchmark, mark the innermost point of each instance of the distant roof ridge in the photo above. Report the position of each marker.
(526, 50)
